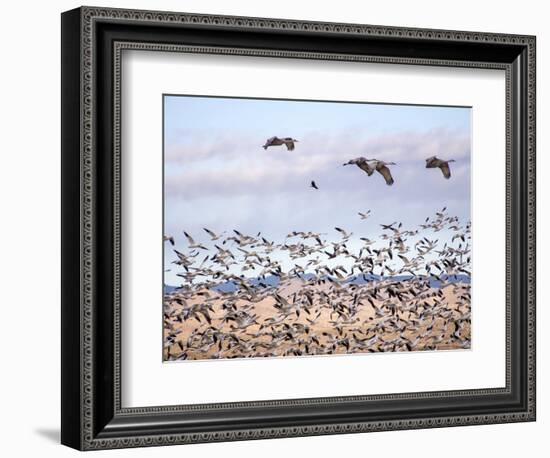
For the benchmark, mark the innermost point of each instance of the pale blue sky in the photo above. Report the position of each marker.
(217, 175)
(243, 116)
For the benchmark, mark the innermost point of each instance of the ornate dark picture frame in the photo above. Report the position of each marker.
(92, 42)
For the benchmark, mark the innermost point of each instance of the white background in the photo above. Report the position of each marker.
(147, 76)
(29, 239)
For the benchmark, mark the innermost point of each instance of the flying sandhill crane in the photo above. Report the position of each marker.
(382, 168)
(433, 162)
(276, 141)
(362, 163)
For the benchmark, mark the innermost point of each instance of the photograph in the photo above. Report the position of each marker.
(313, 228)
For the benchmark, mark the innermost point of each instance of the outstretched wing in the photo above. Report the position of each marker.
(209, 232)
(363, 165)
(189, 238)
(269, 142)
(446, 170)
(289, 145)
(385, 172)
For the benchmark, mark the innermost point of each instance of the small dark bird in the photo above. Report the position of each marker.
(276, 141)
(313, 185)
(433, 162)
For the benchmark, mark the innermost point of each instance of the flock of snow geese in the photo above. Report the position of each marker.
(243, 295)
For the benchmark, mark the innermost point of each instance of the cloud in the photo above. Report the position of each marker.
(223, 166)
(193, 146)
(411, 146)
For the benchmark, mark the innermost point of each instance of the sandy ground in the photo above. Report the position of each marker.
(431, 326)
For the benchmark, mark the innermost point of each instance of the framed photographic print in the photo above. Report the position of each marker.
(279, 228)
